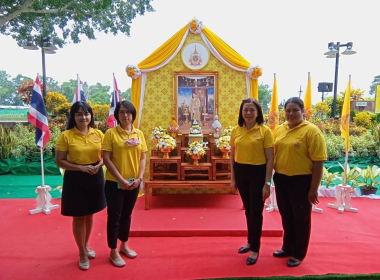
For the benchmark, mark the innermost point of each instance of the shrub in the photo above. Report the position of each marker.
(101, 111)
(363, 119)
(63, 109)
(53, 100)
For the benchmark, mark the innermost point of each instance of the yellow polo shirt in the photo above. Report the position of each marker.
(126, 159)
(250, 144)
(81, 149)
(297, 148)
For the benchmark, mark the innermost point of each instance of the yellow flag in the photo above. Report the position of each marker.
(345, 117)
(273, 119)
(377, 103)
(307, 101)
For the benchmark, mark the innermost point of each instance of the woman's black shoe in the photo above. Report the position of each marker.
(251, 261)
(293, 263)
(243, 250)
(280, 254)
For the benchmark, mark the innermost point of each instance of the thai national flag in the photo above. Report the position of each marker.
(115, 99)
(37, 115)
(79, 93)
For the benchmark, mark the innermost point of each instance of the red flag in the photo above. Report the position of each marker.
(37, 115)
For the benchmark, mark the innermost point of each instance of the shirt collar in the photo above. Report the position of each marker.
(77, 131)
(256, 126)
(303, 123)
(133, 130)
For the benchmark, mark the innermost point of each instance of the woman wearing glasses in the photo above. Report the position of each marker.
(124, 153)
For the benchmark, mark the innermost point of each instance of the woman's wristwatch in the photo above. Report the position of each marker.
(267, 183)
(141, 179)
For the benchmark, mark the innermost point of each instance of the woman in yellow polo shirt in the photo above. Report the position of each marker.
(300, 152)
(124, 151)
(78, 151)
(252, 164)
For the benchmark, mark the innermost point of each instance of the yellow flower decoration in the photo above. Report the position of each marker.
(254, 72)
(133, 71)
(195, 26)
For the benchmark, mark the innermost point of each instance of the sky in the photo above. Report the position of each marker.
(288, 38)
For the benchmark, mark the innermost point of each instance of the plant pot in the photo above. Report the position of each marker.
(225, 152)
(166, 152)
(364, 191)
(196, 159)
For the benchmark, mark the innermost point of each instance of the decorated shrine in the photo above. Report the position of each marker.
(191, 86)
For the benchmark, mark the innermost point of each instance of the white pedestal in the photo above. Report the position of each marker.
(43, 201)
(343, 200)
(272, 201)
(316, 209)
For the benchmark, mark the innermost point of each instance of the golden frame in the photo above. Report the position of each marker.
(190, 86)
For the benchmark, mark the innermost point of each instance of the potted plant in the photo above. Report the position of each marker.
(196, 151)
(371, 180)
(352, 178)
(328, 179)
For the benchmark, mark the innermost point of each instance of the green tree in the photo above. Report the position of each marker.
(8, 89)
(372, 88)
(101, 97)
(68, 89)
(264, 97)
(98, 94)
(52, 84)
(126, 95)
(21, 18)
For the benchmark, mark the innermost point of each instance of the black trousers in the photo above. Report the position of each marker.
(295, 209)
(250, 180)
(120, 204)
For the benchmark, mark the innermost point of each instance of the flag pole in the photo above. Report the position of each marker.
(42, 166)
(346, 155)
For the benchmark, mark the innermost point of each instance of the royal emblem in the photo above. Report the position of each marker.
(297, 145)
(195, 58)
(273, 119)
(96, 139)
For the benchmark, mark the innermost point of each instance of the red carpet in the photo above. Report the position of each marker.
(42, 246)
(196, 215)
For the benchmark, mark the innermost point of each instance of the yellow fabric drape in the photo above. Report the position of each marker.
(345, 117)
(153, 60)
(307, 101)
(135, 98)
(232, 57)
(273, 117)
(164, 51)
(254, 88)
(229, 54)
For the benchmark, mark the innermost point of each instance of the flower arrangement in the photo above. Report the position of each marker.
(195, 26)
(158, 132)
(166, 141)
(133, 71)
(227, 131)
(254, 72)
(224, 142)
(195, 148)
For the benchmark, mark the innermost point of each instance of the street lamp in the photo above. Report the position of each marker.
(46, 47)
(334, 52)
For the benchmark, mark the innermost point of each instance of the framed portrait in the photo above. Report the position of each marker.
(195, 55)
(195, 98)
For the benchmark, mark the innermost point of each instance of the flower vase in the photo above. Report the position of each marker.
(196, 159)
(226, 153)
(166, 152)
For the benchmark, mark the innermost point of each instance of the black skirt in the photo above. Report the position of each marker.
(82, 193)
